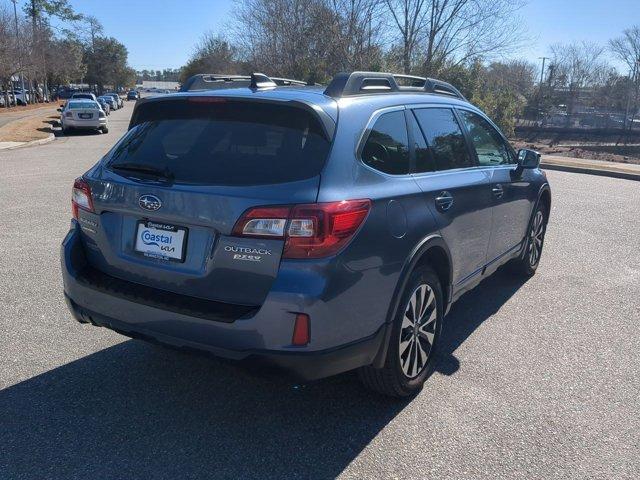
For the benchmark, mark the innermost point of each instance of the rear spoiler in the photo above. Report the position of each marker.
(142, 106)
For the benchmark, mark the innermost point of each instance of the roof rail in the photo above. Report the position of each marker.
(215, 81)
(363, 83)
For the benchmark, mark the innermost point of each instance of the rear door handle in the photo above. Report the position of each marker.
(497, 190)
(444, 201)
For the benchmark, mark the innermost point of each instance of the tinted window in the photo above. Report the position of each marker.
(489, 145)
(82, 105)
(387, 147)
(225, 143)
(444, 137)
(423, 158)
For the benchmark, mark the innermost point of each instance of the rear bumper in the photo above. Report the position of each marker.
(89, 124)
(262, 334)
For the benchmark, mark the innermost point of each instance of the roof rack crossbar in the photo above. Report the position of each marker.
(362, 83)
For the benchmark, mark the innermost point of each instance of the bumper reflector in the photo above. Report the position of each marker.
(301, 330)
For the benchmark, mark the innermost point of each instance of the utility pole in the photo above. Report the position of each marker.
(15, 16)
(544, 59)
(632, 87)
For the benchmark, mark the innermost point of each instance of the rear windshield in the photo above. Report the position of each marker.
(228, 143)
(82, 105)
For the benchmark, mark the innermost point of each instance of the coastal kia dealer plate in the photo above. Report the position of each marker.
(161, 240)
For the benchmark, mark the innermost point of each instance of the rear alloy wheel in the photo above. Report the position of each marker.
(411, 352)
(418, 331)
(528, 262)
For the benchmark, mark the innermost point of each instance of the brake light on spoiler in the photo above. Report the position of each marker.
(312, 230)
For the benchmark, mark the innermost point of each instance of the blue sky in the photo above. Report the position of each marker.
(162, 33)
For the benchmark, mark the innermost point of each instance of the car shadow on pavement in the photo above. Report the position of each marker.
(136, 410)
(471, 310)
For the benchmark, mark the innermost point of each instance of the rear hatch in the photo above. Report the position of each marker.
(167, 196)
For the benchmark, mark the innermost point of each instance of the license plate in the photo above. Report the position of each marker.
(85, 115)
(160, 240)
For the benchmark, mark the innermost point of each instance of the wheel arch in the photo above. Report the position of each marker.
(544, 198)
(433, 251)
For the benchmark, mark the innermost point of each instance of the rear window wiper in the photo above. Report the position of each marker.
(145, 169)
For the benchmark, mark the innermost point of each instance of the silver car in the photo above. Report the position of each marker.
(83, 114)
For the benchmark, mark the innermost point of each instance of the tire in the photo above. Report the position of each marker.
(527, 264)
(104, 129)
(403, 374)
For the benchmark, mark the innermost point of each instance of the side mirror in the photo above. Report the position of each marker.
(527, 159)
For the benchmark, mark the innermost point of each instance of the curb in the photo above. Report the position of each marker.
(32, 143)
(590, 171)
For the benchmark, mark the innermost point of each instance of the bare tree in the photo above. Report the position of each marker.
(308, 39)
(213, 54)
(93, 28)
(409, 17)
(13, 58)
(356, 34)
(450, 32)
(576, 67)
(627, 49)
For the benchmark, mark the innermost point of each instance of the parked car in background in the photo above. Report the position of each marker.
(106, 106)
(83, 114)
(22, 97)
(133, 95)
(117, 98)
(10, 96)
(113, 103)
(318, 229)
(83, 95)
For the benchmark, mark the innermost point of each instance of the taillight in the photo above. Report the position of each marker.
(81, 197)
(313, 230)
(68, 114)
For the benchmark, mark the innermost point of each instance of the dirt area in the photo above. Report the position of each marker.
(28, 129)
(611, 148)
(27, 108)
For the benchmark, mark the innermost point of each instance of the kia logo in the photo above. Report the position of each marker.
(149, 202)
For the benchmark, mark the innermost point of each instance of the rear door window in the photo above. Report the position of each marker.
(444, 137)
(225, 143)
(387, 146)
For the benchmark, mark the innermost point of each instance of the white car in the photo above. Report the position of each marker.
(83, 114)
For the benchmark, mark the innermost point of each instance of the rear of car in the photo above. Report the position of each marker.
(83, 115)
(312, 229)
(200, 228)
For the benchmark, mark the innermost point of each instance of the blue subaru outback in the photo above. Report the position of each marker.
(318, 229)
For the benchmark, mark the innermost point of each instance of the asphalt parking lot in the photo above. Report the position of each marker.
(536, 379)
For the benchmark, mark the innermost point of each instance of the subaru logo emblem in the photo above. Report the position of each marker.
(149, 202)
